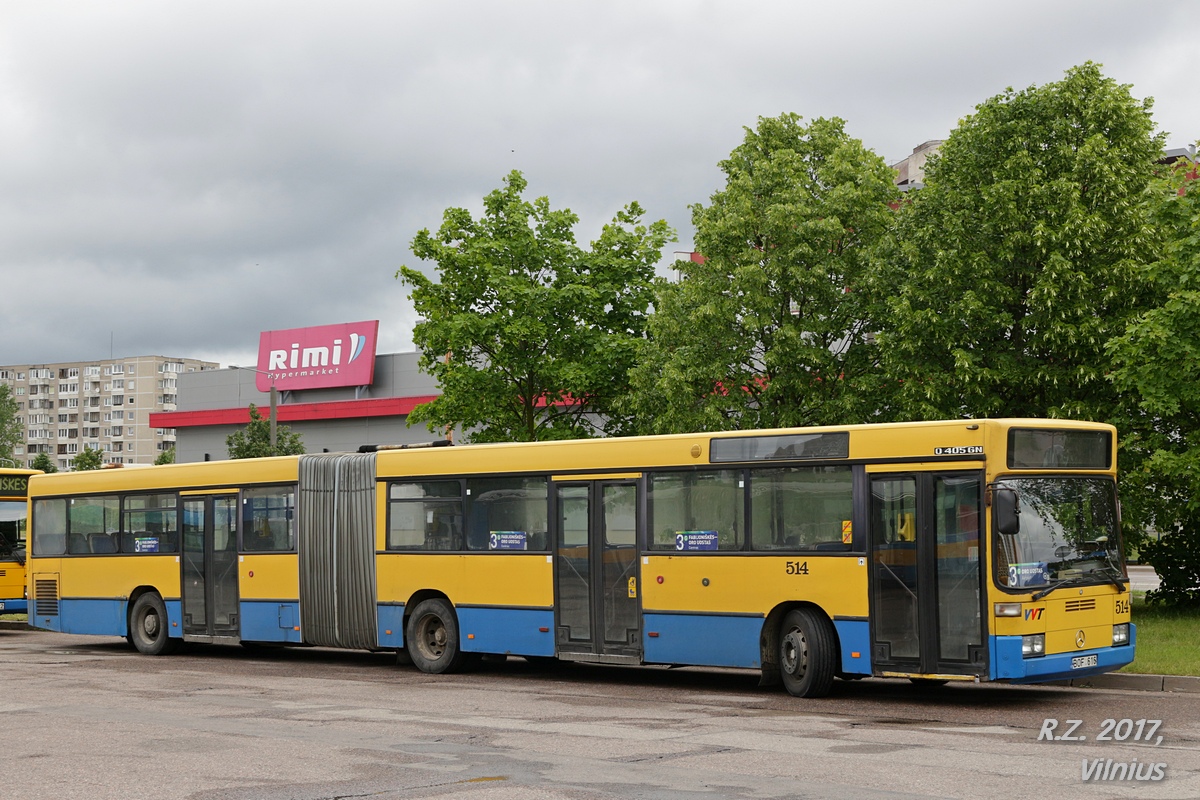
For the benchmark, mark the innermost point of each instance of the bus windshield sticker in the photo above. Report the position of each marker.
(847, 531)
(1034, 573)
(970, 450)
(145, 544)
(696, 540)
(508, 540)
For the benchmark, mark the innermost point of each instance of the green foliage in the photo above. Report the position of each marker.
(769, 330)
(11, 431)
(530, 336)
(255, 440)
(43, 462)
(1166, 639)
(1176, 559)
(1023, 255)
(87, 458)
(1156, 361)
(168, 456)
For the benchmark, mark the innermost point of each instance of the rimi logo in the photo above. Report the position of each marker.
(298, 357)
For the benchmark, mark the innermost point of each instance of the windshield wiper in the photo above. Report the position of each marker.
(1057, 585)
(1115, 580)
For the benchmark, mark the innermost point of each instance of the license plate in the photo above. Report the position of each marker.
(1080, 662)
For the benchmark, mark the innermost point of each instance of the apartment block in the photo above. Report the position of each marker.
(97, 405)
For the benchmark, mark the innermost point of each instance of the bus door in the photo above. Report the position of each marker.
(209, 563)
(597, 616)
(926, 584)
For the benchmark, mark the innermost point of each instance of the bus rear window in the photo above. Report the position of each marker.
(1030, 448)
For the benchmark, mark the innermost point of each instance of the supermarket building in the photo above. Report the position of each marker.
(331, 387)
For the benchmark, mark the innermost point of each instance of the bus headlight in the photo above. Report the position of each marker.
(1033, 645)
(1121, 633)
(1008, 609)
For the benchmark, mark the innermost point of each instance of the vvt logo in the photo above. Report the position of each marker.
(1033, 613)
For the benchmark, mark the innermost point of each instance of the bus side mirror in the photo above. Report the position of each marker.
(1007, 510)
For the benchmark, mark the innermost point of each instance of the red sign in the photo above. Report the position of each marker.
(318, 358)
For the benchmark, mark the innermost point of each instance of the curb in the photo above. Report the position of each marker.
(1128, 681)
(14, 625)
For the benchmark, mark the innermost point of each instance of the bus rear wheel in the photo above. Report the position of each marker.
(432, 637)
(807, 653)
(148, 627)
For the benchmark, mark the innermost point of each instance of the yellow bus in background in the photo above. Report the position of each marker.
(14, 488)
(965, 550)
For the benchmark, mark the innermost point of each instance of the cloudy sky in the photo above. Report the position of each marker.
(176, 177)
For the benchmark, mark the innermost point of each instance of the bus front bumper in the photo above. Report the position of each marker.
(1008, 663)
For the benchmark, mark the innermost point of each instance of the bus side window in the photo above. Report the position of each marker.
(425, 516)
(267, 519)
(801, 508)
(49, 527)
(688, 508)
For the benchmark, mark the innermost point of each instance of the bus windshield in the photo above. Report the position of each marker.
(1068, 533)
(12, 526)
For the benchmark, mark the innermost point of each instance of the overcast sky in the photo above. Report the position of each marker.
(176, 177)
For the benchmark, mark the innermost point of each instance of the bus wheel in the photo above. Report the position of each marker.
(807, 660)
(148, 628)
(433, 637)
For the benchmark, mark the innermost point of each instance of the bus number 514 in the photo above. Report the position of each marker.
(797, 568)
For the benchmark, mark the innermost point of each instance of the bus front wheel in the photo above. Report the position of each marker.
(433, 637)
(148, 626)
(807, 657)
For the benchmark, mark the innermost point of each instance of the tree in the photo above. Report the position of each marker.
(769, 328)
(255, 440)
(87, 458)
(530, 336)
(1023, 255)
(44, 463)
(1156, 360)
(11, 430)
(168, 456)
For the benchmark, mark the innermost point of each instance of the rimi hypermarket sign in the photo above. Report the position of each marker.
(323, 357)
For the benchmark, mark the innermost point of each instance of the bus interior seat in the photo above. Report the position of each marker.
(101, 543)
(77, 543)
(51, 543)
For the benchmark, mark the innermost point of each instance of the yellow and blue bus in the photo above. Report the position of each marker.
(14, 488)
(963, 550)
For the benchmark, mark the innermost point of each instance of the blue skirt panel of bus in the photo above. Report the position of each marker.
(91, 616)
(14, 606)
(854, 636)
(1007, 663)
(707, 640)
(390, 619)
(100, 617)
(270, 621)
(520, 631)
(483, 630)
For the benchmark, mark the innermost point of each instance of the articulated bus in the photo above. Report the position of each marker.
(14, 486)
(964, 550)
